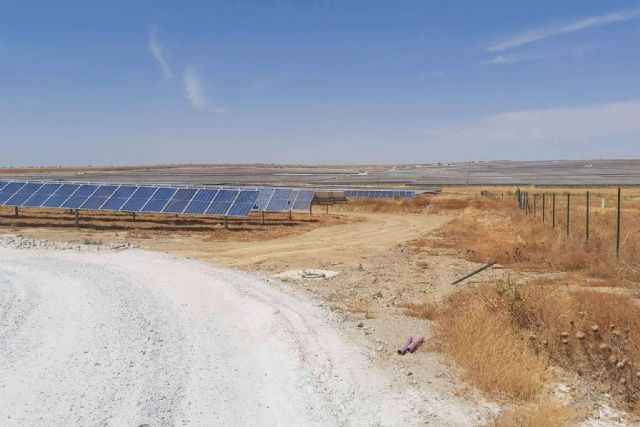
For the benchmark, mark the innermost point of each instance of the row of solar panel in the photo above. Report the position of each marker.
(401, 194)
(282, 199)
(129, 198)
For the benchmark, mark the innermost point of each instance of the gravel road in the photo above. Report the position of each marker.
(135, 337)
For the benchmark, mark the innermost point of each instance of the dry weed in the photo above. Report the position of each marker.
(424, 310)
(546, 413)
(481, 339)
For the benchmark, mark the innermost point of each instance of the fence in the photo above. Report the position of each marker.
(548, 206)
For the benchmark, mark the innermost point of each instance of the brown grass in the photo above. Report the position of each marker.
(480, 338)
(595, 334)
(546, 413)
(496, 229)
(424, 310)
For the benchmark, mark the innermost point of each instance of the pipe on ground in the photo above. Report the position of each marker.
(415, 344)
(405, 346)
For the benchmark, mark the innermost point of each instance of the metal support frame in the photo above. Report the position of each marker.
(568, 211)
(618, 226)
(226, 222)
(76, 217)
(553, 211)
(133, 216)
(290, 216)
(586, 227)
(262, 215)
(544, 198)
(15, 212)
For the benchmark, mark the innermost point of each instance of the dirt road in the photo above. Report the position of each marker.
(344, 243)
(136, 337)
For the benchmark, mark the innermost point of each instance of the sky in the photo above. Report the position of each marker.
(340, 81)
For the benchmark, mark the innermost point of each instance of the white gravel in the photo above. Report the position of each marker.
(127, 338)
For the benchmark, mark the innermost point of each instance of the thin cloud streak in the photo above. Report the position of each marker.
(536, 56)
(538, 34)
(159, 54)
(194, 92)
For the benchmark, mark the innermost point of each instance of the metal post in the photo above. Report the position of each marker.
(586, 230)
(15, 212)
(310, 209)
(77, 217)
(535, 202)
(290, 218)
(226, 223)
(262, 212)
(133, 216)
(327, 208)
(544, 198)
(618, 227)
(568, 211)
(553, 211)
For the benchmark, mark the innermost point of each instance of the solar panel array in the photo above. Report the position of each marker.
(376, 194)
(129, 198)
(283, 200)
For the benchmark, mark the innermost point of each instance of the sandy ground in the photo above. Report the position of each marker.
(135, 337)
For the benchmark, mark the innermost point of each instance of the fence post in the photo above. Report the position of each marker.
(568, 211)
(553, 215)
(544, 197)
(618, 227)
(586, 231)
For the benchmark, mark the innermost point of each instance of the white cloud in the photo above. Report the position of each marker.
(537, 34)
(581, 129)
(159, 54)
(536, 56)
(195, 93)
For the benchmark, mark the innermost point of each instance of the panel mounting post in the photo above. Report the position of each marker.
(290, 217)
(133, 216)
(226, 223)
(15, 212)
(76, 217)
(262, 212)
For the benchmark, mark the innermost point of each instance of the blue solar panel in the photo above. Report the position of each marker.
(85, 190)
(139, 198)
(159, 200)
(293, 195)
(9, 190)
(2, 184)
(23, 194)
(222, 202)
(60, 196)
(80, 196)
(263, 198)
(244, 203)
(99, 197)
(278, 201)
(125, 191)
(180, 200)
(303, 201)
(201, 201)
(41, 195)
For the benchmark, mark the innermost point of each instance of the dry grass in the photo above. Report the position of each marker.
(546, 413)
(480, 338)
(424, 310)
(420, 204)
(595, 334)
(496, 229)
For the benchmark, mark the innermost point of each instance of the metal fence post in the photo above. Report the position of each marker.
(586, 230)
(544, 197)
(568, 211)
(553, 214)
(618, 227)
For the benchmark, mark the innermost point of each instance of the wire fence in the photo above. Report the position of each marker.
(571, 212)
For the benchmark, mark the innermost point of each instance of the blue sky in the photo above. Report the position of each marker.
(317, 81)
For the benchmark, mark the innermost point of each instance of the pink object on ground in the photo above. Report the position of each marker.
(403, 349)
(415, 344)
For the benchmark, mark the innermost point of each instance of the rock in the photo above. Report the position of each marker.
(360, 325)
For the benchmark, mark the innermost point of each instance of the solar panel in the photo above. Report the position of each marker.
(222, 202)
(201, 201)
(99, 197)
(80, 196)
(377, 194)
(180, 200)
(159, 199)
(244, 203)
(303, 201)
(167, 199)
(41, 195)
(278, 201)
(139, 198)
(61, 195)
(21, 196)
(263, 198)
